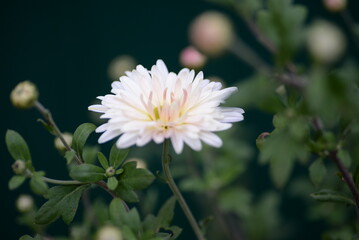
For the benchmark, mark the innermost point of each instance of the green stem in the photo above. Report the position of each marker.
(171, 183)
(61, 182)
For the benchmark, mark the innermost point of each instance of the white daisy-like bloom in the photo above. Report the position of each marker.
(157, 105)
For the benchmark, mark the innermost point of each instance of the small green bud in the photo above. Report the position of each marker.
(24, 95)
(110, 171)
(19, 167)
(25, 203)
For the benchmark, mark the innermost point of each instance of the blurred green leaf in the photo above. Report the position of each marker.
(37, 184)
(112, 183)
(27, 237)
(69, 156)
(128, 233)
(236, 200)
(166, 213)
(317, 172)
(102, 159)
(87, 173)
(326, 195)
(89, 154)
(117, 156)
(345, 158)
(63, 201)
(126, 193)
(16, 181)
(121, 217)
(80, 136)
(48, 127)
(17, 146)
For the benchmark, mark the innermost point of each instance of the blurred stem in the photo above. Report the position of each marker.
(47, 115)
(333, 155)
(171, 183)
(246, 54)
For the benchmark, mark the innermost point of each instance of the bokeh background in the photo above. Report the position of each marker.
(65, 48)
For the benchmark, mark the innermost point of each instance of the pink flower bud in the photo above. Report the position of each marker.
(191, 58)
(335, 5)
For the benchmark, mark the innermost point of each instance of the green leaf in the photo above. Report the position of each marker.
(89, 154)
(117, 156)
(126, 193)
(48, 127)
(236, 200)
(69, 156)
(27, 237)
(344, 156)
(317, 172)
(112, 183)
(102, 159)
(136, 178)
(17, 146)
(16, 181)
(166, 213)
(87, 173)
(63, 202)
(280, 170)
(176, 231)
(326, 195)
(120, 216)
(38, 185)
(80, 136)
(128, 233)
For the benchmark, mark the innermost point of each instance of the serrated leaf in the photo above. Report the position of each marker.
(112, 183)
(17, 146)
(38, 185)
(80, 136)
(166, 213)
(63, 202)
(16, 181)
(326, 195)
(117, 156)
(87, 173)
(135, 178)
(102, 159)
(317, 172)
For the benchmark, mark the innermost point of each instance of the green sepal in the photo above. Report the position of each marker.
(117, 156)
(37, 183)
(63, 202)
(102, 159)
(112, 183)
(17, 146)
(87, 173)
(80, 136)
(16, 181)
(327, 195)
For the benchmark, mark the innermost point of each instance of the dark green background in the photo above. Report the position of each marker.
(65, 47)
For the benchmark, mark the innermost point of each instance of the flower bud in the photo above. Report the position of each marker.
(325, 41)
(109, 233)
(24, 95)
(335, 5)
(211, 33)
(19, 167)
(261, 139)
(140, 162)
(119, 65)
(24, 203)
(58, 143)
(191, 58)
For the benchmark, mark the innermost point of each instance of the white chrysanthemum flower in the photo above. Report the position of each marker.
(158, 105)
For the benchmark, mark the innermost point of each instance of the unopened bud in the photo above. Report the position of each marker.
(25, 203)
(24, 95)
(211, 32)
(19, 167)
(325, 41)
(335, 5)
(109, 233)
(261, 139)
(110, 171)
(58, 143)
(140, 163)
(119, 65)
(192, 58)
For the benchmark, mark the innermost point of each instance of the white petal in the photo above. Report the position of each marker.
(98, 108)
(102, 128)
(211, 139)
(126, 140)
(177, 142)
(195, 144)
(232, 114)
(108, 135)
